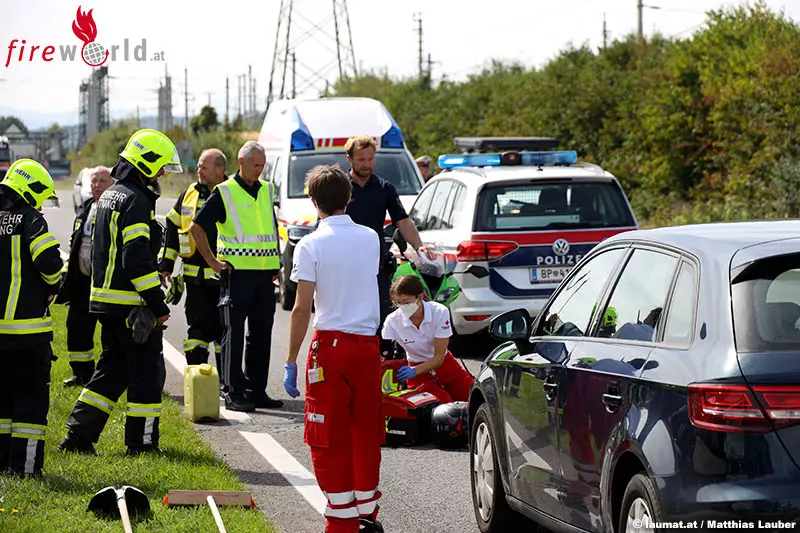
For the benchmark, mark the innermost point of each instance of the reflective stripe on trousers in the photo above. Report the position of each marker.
(98, 401)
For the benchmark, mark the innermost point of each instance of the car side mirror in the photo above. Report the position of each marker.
(511, 326)
(400, 241)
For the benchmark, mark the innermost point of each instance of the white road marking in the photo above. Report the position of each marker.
(295, 473)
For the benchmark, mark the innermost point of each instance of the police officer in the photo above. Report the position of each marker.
(202, 283)
(373, 196)
(126, 293)
(424, 166)
(31, 272)
(77, 284)
(241, 209)
(336, 267)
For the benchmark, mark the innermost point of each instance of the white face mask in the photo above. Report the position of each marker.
(408, 309)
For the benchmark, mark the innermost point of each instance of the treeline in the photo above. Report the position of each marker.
(697, 129)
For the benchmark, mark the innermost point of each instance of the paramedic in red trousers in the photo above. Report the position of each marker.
(201, 282)
(247, 258)
(373, 196)
(31, 272)
(423, 330)
(126, 293)
(336, 267)
(78, 283)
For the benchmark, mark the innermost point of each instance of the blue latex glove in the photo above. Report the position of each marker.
(290, 380)
(406, 372)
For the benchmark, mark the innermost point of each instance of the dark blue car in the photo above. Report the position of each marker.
(660, 383)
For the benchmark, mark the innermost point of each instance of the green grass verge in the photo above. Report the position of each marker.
(57, 502)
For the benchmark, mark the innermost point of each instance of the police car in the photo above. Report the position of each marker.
(513, 217)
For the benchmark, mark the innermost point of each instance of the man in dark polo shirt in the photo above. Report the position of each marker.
(249, 266)
(373, 196)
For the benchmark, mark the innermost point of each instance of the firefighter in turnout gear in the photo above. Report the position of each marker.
(202, 283)
(31, 273)
(247, 259)
(77, 284)
(126, 293)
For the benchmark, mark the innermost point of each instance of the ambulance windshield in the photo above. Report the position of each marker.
(394, 167)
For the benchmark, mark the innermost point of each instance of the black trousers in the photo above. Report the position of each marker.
(139, 368)
(24, 402)
(247, 295)
(205, 326)
(80, 332)
(384, 284)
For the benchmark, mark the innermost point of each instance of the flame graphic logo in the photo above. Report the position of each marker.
(93, 54)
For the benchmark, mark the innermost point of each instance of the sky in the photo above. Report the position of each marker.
(214, 39)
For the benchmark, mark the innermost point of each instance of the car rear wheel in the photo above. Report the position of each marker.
(488, 496)
(640, 506)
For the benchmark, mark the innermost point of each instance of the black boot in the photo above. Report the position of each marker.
(369, 526)
(73, 443)
(237, 402)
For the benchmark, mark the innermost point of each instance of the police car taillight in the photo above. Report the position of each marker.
(484, 250)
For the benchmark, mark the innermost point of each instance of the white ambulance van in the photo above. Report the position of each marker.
(301, 134)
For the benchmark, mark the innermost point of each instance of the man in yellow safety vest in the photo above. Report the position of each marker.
(201, 282)
(247, 258)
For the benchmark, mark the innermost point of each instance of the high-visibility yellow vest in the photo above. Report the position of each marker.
(247, 239)
(189, 207)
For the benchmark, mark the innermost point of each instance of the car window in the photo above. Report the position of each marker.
(570, 313)
(436, 213)
(680, 318)
(637, 301)
(458, 196)
(419, 211)
(543, 205)
(395, 167)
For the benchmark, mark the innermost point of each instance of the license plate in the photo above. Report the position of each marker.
(549, 274)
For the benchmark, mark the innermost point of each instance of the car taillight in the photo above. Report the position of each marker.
(737, 408)
(484, 250)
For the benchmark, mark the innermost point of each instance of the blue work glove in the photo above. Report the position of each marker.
(406, 372)
(290, 380)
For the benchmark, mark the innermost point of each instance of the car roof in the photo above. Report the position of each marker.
(484, 175)
(722, 241)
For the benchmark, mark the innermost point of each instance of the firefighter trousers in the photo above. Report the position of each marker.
(80, 333)
(139, 368)
(449, 383)
(247, 295)
(344, 425)
(24, 402)
(205, 327)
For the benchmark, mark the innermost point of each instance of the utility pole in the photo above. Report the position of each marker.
(294, 75)
(138, 122)
(239, 95)
(227, 99)
(640, 8)
(605, 32)
(418, 20)
(255, 100)
(186, 98)
(249, 89)
(430, 69)
(209, 99)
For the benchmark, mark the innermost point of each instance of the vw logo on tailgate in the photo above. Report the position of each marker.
(561, 247)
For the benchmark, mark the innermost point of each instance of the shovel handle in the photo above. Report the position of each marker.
(215, 512)
(123, 512)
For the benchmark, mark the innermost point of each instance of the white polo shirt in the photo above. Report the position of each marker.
(418, 342)
(342, 258)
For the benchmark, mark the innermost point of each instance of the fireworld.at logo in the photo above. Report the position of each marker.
(93, 53)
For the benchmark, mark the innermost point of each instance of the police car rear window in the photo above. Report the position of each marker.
(547, 206)
(394, 167)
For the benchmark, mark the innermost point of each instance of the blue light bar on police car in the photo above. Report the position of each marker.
(301, 138)
(569, 157)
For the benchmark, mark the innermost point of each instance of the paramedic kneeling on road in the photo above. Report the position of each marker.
(423, 330)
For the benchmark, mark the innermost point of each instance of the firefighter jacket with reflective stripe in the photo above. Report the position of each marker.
(74, 280)
(247, 239)
(125, 248)
(30, 272)
(195, 269)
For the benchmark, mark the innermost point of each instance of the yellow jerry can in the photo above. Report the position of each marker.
(201, 392)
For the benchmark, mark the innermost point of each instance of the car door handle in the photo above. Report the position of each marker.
(612, 400)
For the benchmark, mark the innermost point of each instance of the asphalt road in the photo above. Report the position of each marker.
(425, 489)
